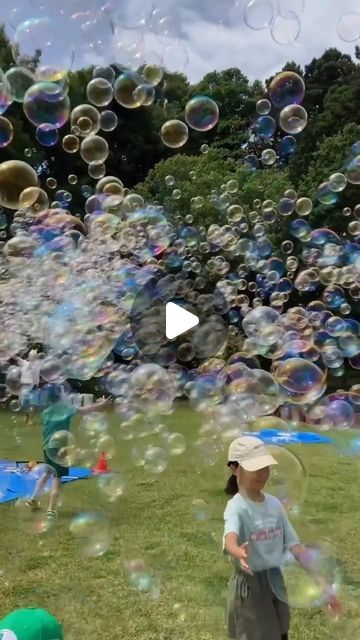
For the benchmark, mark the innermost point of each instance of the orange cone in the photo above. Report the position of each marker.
(101, 465)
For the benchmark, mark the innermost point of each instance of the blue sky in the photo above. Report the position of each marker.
(194, 36)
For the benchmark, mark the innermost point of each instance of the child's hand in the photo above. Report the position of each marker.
(243, 557)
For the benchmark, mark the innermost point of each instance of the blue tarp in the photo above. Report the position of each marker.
(16, 482)
(273, 436)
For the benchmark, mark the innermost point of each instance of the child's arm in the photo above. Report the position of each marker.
(97, 406)
(239, 552)
(304, 557)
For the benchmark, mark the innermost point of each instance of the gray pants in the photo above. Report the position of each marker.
(253, 611)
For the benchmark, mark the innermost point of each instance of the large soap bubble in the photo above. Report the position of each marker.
(15, 176)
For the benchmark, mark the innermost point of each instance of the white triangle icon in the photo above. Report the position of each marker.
(178, 320)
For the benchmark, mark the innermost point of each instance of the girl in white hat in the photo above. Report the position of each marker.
(256, 535)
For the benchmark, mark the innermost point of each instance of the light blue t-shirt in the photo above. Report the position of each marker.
(264, 525)
(55, 418)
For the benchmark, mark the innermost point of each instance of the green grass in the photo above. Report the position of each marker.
(153, 520)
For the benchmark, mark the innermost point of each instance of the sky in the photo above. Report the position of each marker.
(192, 36)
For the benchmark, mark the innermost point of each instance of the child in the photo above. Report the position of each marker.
(56, 417)
(257, 533)
(30, 624)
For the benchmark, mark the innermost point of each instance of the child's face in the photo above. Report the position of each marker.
(253, 481)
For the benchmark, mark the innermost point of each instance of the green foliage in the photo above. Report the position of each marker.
(331, 157)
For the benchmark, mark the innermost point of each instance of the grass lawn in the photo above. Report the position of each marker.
(153, 520)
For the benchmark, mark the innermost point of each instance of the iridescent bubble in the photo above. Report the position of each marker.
(41, 38)
(301, 381)
(20, 80)
(287, 145)
(60, 447)
(326, 195)
(348, 27)
(258, 14)
(303, 206)
(287, 88)
(144, 94)
(288, 479)
(108, 120)
(285, 31)
(15, 176)
(6, 132)
(174, 134)
(353, 170)
(96, 171)
(204, 148)
(93, 531)
(86, 119)
(153, 74)
(307, 585)
(111, 485)
(337, 182)
(47, 135)
(176, 444)
(293, 119)
(44, 102)
(70, 143)
(94, 150)
(124, 90)
(268, 157)
(107, 73)
(201, 113)
(263, 107)
(265, 126)
(99, 92)
(6, 93)
(156, 460)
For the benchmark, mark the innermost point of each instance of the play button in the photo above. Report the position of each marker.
(173, 323)
(178, 320)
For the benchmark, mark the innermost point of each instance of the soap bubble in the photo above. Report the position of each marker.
(86, 119)
(258, 14)
(201, 113)
(99, 92)
(304, 588)
(325, 194)
(61, 448)
(265, 126)
(6, 132)
(293, 119)
(200, 510)
(286, 88)
(176, 444)
(70, 143)
(45, 103)
(268, 156)
(20, 80)
(47, 135)
(108, 120)
(353, 170)
(111, 485)
(348, 27)
(337, 182)
(174, 134)
(263, 107)
(42, 35)
(107, 73)
(156, 460)
(125, 90)
(6, 93)
(15, 176)
(300, 380)
(94, 150)
(93, 531)
(288, 479)
(153, 74)
(303, 206)
(285, 31)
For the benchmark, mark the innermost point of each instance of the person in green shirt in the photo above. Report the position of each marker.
(55, 418)
(30, 624)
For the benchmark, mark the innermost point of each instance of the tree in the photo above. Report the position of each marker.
(332, 157)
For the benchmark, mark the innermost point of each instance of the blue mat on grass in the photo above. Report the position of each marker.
(273, 436)
(16, 482)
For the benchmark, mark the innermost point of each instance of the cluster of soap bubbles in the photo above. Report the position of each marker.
(78, 279)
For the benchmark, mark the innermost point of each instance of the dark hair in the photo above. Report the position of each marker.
(232, 488)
